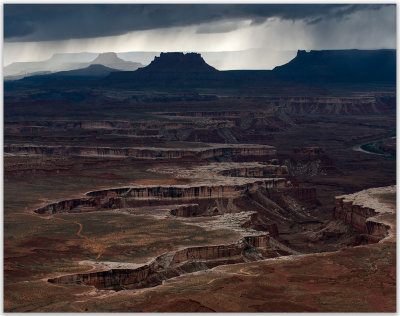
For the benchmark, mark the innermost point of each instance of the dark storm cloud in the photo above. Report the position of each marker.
(39, 22)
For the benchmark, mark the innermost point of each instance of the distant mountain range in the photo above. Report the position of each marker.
(66, 62)
(222, 60)
(58, 62)
(95, 70)
(189, 71)
(83, 77)
(316, 67)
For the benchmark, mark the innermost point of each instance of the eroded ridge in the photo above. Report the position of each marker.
(173, 264)
(208, 183)
(214, 189)
(122, 197)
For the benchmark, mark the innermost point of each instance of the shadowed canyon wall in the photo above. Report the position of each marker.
(361, 219)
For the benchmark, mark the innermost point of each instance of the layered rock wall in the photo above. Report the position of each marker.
(353, 215)
(208, 253)
(107, 279)
(167, 266)
(366, 214)
(182, 192)
(69, 206)
(144, 153)
(118, 197)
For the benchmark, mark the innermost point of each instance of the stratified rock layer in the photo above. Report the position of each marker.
(115, 198)
(170, 265)
(364, 213)
(213, 151)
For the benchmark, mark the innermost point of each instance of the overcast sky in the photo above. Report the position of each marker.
(34, 32)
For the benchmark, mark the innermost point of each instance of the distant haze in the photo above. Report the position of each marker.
(219, 60)
(250, 36)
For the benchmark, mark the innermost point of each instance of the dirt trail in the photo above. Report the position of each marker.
(99, 248)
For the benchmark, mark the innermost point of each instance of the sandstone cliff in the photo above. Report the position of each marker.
(366, 214)
(171, 265)
(227, 150)
(118, 197)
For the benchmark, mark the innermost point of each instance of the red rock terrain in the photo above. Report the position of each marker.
(356, 279)
(201, 206)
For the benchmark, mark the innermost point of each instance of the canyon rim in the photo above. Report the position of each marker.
(199, 157)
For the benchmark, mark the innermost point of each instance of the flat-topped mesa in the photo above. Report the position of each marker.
(365, 213)
(178, 62)
(334, 66)
(107, 58)
(236, 152)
